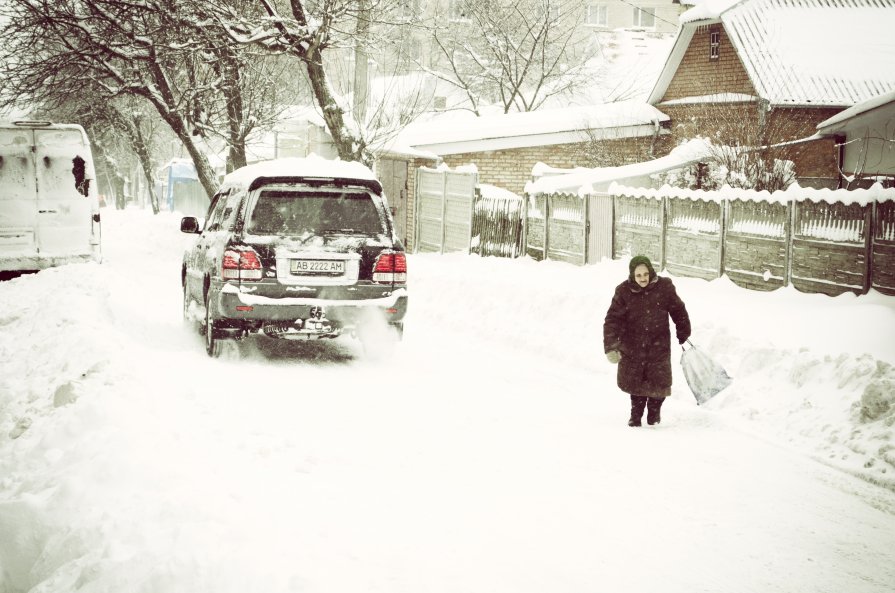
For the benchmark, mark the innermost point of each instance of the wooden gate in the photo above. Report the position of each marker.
(445, 202)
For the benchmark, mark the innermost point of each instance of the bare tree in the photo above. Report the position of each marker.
(107, 121)
(173, 55)
(305, 33)
(513, 53)
(752, 145)
(115, 126)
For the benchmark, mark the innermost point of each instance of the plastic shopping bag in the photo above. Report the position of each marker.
(705, 377)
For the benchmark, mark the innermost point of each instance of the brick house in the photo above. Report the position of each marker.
(763, 72)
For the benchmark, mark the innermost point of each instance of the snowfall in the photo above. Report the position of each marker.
(489, 453)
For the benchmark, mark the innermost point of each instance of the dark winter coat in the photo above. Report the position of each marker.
(637, 326)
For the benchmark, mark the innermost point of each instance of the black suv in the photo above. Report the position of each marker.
(296, 249)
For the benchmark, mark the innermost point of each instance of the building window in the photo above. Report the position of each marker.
(714, 45)
(597, 15)
(644, 19)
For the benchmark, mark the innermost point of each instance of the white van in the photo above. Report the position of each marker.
(49, 206)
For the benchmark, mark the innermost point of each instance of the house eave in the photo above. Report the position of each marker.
(533, 140)
(672, 62)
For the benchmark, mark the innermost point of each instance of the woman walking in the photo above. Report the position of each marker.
(636, 336)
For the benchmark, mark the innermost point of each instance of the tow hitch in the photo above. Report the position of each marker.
(316, 325)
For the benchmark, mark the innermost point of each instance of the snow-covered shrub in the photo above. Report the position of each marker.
(734, 166)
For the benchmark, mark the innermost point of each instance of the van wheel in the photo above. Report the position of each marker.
(213, 345)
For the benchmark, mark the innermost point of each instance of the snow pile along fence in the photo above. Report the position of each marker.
(827, 241)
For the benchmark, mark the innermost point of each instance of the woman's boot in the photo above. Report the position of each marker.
(653, 407)
(637, 405)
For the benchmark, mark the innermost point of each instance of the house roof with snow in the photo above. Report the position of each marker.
(453, 134)
(833, 53)
(872, 113)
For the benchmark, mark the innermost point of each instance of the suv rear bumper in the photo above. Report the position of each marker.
(231, 304)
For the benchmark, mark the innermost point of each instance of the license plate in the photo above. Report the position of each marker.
(317, 266)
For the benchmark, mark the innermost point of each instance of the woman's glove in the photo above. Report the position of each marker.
(613, 356)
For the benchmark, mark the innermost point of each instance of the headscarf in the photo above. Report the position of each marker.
(641, 260)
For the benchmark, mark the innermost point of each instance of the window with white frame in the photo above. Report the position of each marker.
(714, 45)
(644, 18)
(597, 15)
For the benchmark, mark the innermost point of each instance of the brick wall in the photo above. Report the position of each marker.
(815, 162)
(511, 168)
(698, 75)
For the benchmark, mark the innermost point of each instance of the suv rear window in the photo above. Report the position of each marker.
(285, 212)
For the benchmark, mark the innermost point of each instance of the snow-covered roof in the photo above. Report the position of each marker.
(583, 181)
(881, 106)
(455, 133)
(800, 52)
(707, 10)
(310, 166)
(497, 193)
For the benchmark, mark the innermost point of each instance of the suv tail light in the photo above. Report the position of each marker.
(391, 266)
(241, 265)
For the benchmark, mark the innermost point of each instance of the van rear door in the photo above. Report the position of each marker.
(18, 194)
(64, 168)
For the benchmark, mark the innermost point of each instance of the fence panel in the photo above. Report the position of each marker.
(459, 198)
(444, 210)
(567, 229)
(755, 244)
(497, 226)
(829, 247)
(536, 226)
(599, 222)
(639, 229)
(883, 252)
(430, 210)
(693, 238)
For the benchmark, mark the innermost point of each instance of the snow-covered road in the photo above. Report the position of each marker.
(490, 454)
